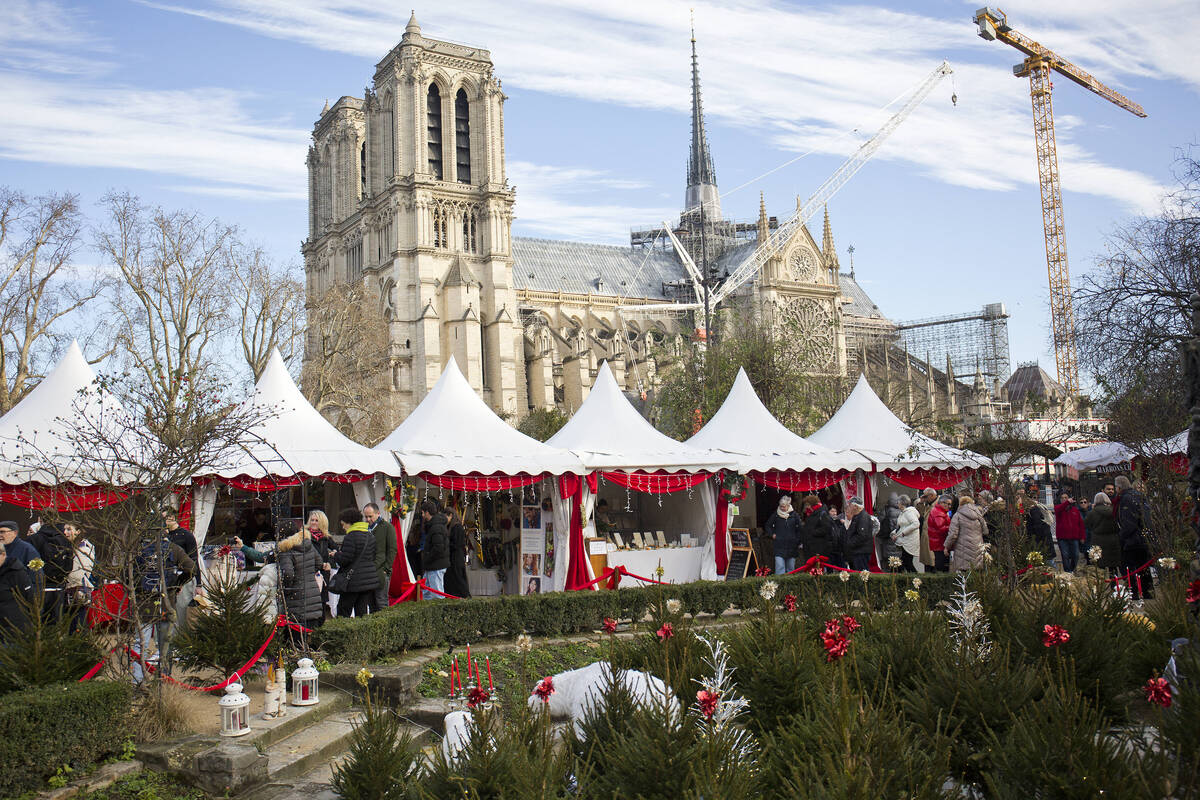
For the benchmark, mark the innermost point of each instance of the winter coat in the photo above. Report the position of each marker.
(184, 538)
(266, 591)
(908, 531)
(159, 604)
(456, 575)
(1133, 517)
(994, 517)
(385, 549)
(16, 584)
(82, 564)
(965, 537)
(298, 570)
(785, 531)
(817, 533)
(358, 551)
(1037, 522)
(54, 548)
(889, 518)
(937, 524)
(1069, 522)
(22, 551)
(1103, 528)
(860, 536)
(436, 554)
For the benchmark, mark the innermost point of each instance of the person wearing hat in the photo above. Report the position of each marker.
(860, 536)
(784, 529)
(18, 549)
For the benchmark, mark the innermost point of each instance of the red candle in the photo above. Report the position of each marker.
(304, 690)
(1139, 584)
(488, 662)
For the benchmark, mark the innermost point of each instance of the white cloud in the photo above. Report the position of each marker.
(44, 35)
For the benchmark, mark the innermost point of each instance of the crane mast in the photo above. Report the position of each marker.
(993, 25)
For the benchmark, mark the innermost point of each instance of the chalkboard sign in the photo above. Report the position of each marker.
(739, 563)
(740, 537)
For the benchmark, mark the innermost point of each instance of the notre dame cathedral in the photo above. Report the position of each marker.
(408, 193)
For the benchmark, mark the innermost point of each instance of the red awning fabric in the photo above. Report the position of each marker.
(657, 482)
(570, 489)
(928, 478)
(474, 482)
(792, 481)
(63, 497)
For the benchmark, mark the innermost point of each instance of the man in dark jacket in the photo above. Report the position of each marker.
(16, 589)
(57, 555)
(356, 556)
(385, 553)
(860, 537)
(19, 550)
(160, 569)
(816, 531)
(436, 556)
(187, 542)
(784, 529)
(1133, 522)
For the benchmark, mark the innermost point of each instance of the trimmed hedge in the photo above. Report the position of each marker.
(72, 723)
(431, 623)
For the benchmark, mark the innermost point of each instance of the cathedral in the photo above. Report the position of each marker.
(408, 194)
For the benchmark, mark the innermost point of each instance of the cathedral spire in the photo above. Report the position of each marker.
(827, 248)
(763, 222)
(701, 177)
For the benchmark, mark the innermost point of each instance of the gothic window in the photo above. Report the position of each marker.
(462, 137)
(383, 243)
(469, 223)
(441, 237)
(802, 266)
(483, 357)
(433, 129)
(811, 323)
(354, 262)
(388, 127)
(362, 170)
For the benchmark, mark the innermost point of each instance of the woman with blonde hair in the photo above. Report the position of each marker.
(318, 529)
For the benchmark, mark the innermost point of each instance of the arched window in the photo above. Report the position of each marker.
(462, 136)
(433, 129)
(470, 241)
(362, 170)
(388, 128)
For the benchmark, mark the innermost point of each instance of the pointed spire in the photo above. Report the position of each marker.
(325, 110)
(763, 227)
(412, 27)
(701, 177)
(827, 248)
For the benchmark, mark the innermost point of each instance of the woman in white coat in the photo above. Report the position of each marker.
(907, 534)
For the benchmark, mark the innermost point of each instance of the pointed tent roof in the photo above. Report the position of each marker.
(40, 435)
(867, 426)
(607, 432)
(744, 429)
(1108, 453)
(453, 430)
(290, 437)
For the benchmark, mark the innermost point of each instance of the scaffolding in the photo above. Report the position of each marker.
(970, 340)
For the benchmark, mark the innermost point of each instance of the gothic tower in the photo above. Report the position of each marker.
(408, 193)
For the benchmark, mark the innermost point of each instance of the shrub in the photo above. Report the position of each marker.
(72, 724)
(226, 633)
(381, 759)
(46, 651)
(431, 623)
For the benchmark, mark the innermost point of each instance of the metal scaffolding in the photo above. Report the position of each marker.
(969, 339)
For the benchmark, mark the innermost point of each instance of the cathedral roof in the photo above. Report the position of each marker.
(553, 265)
(861, 304)
(1031, 380)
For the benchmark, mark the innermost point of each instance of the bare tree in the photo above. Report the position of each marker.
(347, 362)
(172, 298)
(40, 287)
(270, 305)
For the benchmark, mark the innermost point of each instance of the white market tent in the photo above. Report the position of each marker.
(453, 431)
(288, 442)
(608, 433)
(613, 439)
(454, 440)
(749, 434)
(41, 436)
(1107, 454)
(868, 427)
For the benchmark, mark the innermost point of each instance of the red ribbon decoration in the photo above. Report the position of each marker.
(928, 478)
(475, 482)
(412, 591)
(63, 497)
(788, 480)
(657, 482)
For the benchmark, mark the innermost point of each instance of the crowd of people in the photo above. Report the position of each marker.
(945, 532)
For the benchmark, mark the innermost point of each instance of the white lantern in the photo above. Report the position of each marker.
(304, 683)
(234, 711)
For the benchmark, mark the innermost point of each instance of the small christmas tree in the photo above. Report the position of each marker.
(230, 629)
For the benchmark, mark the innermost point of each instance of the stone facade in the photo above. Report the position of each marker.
(408, 194)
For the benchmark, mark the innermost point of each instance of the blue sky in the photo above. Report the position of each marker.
(209, 105)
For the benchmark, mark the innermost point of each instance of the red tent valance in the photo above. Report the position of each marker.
(474, 482)
(657, 482)
(928, 478)
(809, 480)
(64, 497)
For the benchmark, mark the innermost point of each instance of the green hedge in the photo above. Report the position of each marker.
(73, 723)
(431, 623)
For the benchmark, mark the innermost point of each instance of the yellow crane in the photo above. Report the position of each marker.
(993, 25)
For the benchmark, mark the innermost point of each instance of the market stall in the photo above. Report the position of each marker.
(1118, 457)
(67, 444)
(650, 484)
(765, 451)
(454, 443)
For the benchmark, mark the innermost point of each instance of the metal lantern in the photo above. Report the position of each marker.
(234, 711)
(304, 683)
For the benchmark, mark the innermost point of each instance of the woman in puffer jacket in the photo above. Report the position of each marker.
(299, 563)
(907, 534)
(965, 537)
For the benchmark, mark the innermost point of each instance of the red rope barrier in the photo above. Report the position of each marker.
(420, 584)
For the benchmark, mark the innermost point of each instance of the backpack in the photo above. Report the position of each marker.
(153, 555)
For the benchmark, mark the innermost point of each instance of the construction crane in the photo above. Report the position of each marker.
(993, 25)
(782, 235)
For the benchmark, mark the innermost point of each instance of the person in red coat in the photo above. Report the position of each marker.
(937, 526)
(1068, 527)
